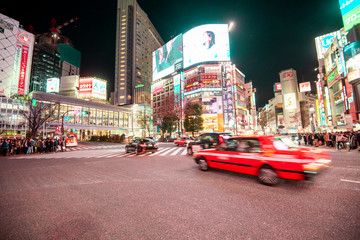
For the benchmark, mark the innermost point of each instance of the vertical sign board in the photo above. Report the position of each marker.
(224, 95)
(227, 98)
(23, 65)
(16, 69)
(321, 103)
(289, 89)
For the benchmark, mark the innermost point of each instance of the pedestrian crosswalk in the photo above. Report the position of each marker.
(106, 153)
(93, 147)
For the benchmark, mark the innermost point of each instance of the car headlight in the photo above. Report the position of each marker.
(312, 166)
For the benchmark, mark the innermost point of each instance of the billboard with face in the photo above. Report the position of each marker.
(206, 43)
(168, 58)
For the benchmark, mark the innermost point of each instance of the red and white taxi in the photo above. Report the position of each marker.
(268, 157)
(183, 141)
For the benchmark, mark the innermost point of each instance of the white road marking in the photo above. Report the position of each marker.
(184, 152)
(160, 151)
(345, 180)
(176, 151)
(168, 151)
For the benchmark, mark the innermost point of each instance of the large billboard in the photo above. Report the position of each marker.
(323, 43)
(92, 88)
(168, 58)
(52, 85)
(350, 11)
(206, 43)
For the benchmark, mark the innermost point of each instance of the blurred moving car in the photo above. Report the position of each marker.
(141, 145)
(207, 140)
(183, 141)
(268, 157)
(152, 138)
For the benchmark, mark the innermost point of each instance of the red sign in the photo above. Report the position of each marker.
(305, 87)
(85, 87)
(158, 88)
(277, 87)
(209, 76)
(23, 65)
(288, 74)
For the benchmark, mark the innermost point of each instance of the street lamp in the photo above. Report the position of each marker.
(231, 26)
(62, 122)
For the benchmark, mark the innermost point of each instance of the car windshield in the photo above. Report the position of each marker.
(283, 143)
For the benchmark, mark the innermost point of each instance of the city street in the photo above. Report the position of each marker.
(104, 193)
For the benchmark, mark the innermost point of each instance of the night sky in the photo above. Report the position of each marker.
(269, 36)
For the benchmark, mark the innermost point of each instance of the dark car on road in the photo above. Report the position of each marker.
(141, 145)
(207, 140)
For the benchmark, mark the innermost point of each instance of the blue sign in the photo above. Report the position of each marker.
(66, 118)
(352, 50)
(348, 5)
(327, 41)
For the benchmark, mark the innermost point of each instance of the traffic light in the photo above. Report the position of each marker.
(33, 102)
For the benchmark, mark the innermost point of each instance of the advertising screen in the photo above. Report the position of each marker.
(85, 87)
(91, 87)
(206, 43)
(168, 58)
(323, 43)
(350, 11)
(290, 101)
(52, 85)
(99, 89)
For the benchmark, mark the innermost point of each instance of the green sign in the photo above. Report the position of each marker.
(351, 17)
(140, 85)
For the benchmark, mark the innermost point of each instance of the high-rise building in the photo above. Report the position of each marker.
(46, 65)
(136, 39)
(54, 57)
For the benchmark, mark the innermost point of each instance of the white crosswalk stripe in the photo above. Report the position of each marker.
(176, 151)
(108, 153)
(184, 152)
(159, 151)
(167, 152)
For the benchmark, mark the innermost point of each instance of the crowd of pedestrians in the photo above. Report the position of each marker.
(339, 140)
(11, 147)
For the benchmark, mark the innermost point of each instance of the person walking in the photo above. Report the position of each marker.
(62, 145)
(5, 146)
(28, 146)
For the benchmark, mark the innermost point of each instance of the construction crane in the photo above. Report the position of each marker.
(55, 30)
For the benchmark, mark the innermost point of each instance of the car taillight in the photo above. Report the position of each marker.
(142, 145)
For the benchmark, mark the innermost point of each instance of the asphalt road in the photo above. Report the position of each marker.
(104, 194)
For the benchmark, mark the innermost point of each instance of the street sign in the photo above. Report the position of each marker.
(66, 118)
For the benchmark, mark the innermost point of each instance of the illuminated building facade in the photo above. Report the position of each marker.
(16, 50)
(195, 67)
